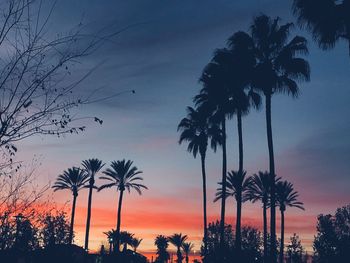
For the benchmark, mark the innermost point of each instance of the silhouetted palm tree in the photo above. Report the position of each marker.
(187, 248)
(178, 240)
(278, 70)
(91, 167)
(286, 196)
(237, 187)
(136, 242)
(215, 97)
(328, 20)
(126, 238)
(123, 176)
(161, 243)
(72, 179)
(197, 130)
(112, 237)
(259, 190)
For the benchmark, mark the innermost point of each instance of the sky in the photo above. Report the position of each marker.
(161, 57)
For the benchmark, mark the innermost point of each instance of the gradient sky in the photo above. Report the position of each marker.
(162, 59)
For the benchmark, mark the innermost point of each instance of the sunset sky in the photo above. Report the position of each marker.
(161, 59)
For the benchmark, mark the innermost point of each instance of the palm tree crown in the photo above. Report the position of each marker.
(259, 189)
(124, 176)
(92, 166)
(72, 179)
(286, 196)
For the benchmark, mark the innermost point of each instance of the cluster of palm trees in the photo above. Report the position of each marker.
(178, 240)
(121, 175)
(255, 64)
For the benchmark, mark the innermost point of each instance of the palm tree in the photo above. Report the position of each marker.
(161, 243)
(123, 176)
(91, 167)
(187, 248)
(215, 97)
(135, 243)
(178, 240)
(286, 196)
(72, 179)
(277, 71)
(126, 238)
(237, 187)
(259, 190)
(112, 237)
(328, 20)
(197, 130)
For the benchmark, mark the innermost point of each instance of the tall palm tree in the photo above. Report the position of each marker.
(286, 196)
(237, 187)
(278, 70)
(215, 97)
(72, 179)
(123, 176)
(135, 243)
(178, 240)
(162, 244)
(328, 20)
(187, 248)
(259, 190)
(91, 167)
(197, 130)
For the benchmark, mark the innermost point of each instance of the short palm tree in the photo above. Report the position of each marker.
(162, 244)
(126, 238)
(135, 243)
(279, 69)
(178, 240)
(328, 20)
(112, 237)
(91, 167)
(259, 190)
(286, 196)
(123, 176)
(187, 248)
(73, 179)
(196, 129)
(237, 187)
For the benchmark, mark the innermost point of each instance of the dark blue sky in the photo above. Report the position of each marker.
(162, 58)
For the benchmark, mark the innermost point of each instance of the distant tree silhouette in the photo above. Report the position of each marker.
(328, 20)
(91, 167)
(161, 243)
(73, 179)
(332, 241)
(295, 250)
(277, 71)
(26, 237)
(55, 229)
(237, 187)
(112, 239)
(135, 243)
(196, 129)
(259, 190)
(286, 197)
(178, 240)
(187, 248)
(123, 176)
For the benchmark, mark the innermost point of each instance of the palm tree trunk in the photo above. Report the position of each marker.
(265, 231)
(282, 237)
(224, 172)
(273, 174)
(119, 220)
(238, 242)
(187, 259)
(205, 237)
(240, 140)
(72, 219)
(88, 218)
(179, 256)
